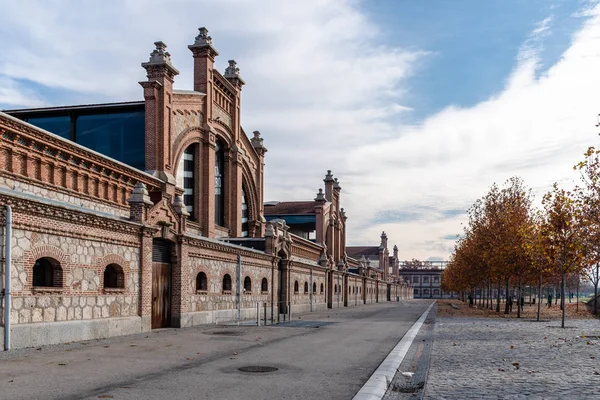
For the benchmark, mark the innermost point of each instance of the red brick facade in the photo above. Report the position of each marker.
(75, 212)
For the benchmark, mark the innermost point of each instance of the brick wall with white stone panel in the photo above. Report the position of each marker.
(82, 295)
(213, 305)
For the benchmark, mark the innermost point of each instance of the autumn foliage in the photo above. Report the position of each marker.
(508, 244)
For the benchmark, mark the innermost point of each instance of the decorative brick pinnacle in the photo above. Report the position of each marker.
(328, 177)
(336, 184)
(203, 37)
(203, 45)
(320, 196)
(180, 207)
(257, 142)
(232, 71)
(139, 195)
(160, 58)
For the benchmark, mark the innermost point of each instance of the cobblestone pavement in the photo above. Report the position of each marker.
(483, 358)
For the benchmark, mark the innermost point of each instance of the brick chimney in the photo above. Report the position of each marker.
(158, 93)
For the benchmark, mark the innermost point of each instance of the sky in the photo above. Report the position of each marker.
(417, 107)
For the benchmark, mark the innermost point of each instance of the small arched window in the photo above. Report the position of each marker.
(264, 285)
(114, 278)
(335, 288)
(247, 285)
(47, 272)
(227, 283)
(305, 287)
(321, 288)
(314, 287)
(201, 282)
(296, 287)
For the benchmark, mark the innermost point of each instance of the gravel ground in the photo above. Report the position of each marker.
(498, 358)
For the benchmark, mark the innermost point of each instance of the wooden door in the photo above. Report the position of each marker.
(161, 295)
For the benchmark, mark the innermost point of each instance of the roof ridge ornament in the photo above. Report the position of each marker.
(320, 196)
(159, 55)
(203, 37)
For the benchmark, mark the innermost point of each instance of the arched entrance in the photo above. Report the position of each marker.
(161, 283)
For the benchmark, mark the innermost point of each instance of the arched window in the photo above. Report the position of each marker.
(264, 285)
(114, 278)
(227, 283)
(305, 287)
(314, 287)
(247, 285)
(321, 288)
(47, 272)
(296, 287)
(201, 282)
(186, 178)
(244, 213)
(219, 184)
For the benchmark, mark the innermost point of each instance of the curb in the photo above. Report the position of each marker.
(377, 385)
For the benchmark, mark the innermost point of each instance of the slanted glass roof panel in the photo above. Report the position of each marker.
(59, 125)
(117, 135)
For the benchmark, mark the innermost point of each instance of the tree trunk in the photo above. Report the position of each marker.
(519, 294)
(562, 298)
(577, 304)
(596, 289)
(506, 302)
(539, 298)
(498, 298)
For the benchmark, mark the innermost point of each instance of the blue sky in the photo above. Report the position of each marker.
(416, 106)
(473, 44)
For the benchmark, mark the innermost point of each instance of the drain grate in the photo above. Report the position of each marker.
(257, 368)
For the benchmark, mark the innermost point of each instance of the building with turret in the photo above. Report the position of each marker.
(133, 216)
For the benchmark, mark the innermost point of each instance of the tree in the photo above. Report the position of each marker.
(589, 202)
(563, 235)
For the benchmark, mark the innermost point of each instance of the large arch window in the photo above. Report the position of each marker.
(114, 278)
(186, 178)
(247, 285)
(244, 213)
(47, 272)
(219, 184)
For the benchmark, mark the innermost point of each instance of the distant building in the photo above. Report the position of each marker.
(425, 278)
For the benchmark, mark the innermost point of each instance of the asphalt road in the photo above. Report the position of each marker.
(324, 355)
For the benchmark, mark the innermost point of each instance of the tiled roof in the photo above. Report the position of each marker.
(290, 208)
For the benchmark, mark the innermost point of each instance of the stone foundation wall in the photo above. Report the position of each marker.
(82, 295)
(215, 299)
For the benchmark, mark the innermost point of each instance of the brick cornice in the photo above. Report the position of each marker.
(205, 244)
(57, 212)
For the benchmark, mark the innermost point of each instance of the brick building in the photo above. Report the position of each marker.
(134, 216)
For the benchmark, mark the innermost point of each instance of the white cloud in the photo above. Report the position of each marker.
(537, 128)
(326, 93)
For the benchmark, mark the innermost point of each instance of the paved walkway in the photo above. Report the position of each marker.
(484, 358)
